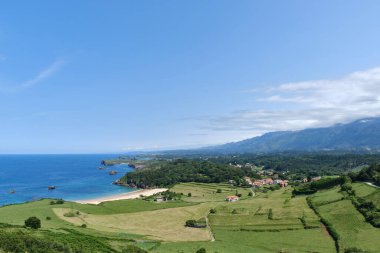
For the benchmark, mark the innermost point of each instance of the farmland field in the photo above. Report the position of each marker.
(350, 224)
(271, 221)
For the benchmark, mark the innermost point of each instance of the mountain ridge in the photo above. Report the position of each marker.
(361, 134)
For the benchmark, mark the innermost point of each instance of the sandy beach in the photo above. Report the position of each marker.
(128, 195)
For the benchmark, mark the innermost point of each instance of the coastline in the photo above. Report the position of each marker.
(121, 196)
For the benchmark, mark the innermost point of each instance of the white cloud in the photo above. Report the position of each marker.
(44, 74)
(13, 87)
(315, 103)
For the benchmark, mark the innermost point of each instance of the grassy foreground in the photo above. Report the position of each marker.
(266, 222)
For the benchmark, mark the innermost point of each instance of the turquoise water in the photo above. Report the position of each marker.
(75, 177)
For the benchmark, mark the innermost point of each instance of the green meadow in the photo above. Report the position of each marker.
(272, 221)
(349, 223)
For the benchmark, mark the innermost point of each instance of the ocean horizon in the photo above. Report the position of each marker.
(75, 177)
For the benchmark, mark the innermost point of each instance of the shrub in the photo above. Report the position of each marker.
(201, 250)
(213, 210)
(191, 223)
(57, 202)
(70, 214)
(60, 201)
(234, 211)
(250, 194)
(201, 223)
(270, 214)
(48, 218)
(189, 194)
(33, 222)
(83, 226)
(219, 191)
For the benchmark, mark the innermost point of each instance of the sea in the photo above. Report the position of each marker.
(76, 177)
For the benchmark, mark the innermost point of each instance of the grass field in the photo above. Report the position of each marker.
(351, 226)
(164, 224)
(268, 222)
(248, 229)
(368, 192)
(208, 192)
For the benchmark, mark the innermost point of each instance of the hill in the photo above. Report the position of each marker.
(360, 135)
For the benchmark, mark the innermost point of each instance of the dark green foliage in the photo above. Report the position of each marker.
(169, 195)
(270, 214)
(57, 202)
(368, 209)
(213, 210)
(83, 226)
(301, 164)
(219, 191)
(133, 249)
(189, 194)
(370, 174)
(48, 218)
(324, 183)
(201, 223)
(201, 250)
(33, 222)
(274, 187)
(190, 223)
(183, 170)
(234, 211)
(250, 194)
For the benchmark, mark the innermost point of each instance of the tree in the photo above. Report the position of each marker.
(201, 250)
(219, 191)
(33, 222)
(191, 223)
(270, 214)
(189, 194)
(213, 210)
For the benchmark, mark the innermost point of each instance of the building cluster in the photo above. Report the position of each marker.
(232, 198)
(269, 181)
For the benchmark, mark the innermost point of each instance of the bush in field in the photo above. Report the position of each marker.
(33, 222)
(191, 223)
(219, 191)
(213, 210)
(201, 250)
(270, 214)
(57, 202)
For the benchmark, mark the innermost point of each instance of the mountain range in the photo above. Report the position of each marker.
(360, 135)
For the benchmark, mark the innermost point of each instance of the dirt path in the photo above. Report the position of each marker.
(210, 231)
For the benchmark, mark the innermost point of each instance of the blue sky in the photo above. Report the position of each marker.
(114, 76)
